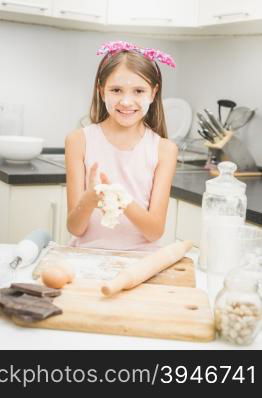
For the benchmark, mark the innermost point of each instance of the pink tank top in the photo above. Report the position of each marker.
(134, 169)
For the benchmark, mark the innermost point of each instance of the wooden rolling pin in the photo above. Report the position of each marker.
(147, 267)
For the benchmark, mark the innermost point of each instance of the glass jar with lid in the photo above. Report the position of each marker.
(253, 263)
(224, 202)
(230, 246)
(238, 308)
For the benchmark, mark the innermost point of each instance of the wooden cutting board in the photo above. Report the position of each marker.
(108, 263)
(149, 310)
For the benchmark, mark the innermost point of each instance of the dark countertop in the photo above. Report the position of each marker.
(190, 187)
(186, 186)
(34, 172)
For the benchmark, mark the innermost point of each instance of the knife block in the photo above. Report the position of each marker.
(220, 142)
(231, 148)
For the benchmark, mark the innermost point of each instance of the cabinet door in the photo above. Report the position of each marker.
(152, 13)
(169, 235)
(33, 207)
(188, 222)
(227, 11)
(35, 7)
(4, 211)
(81, 10)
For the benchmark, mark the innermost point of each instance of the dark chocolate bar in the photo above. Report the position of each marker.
(36, 290)
(29, 302)
(30, 308)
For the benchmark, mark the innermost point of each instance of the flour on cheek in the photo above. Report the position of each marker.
(144, 105)
(109, 105)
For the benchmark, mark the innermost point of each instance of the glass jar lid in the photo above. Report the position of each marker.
(226, 183)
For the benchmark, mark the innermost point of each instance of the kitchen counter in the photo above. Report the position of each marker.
(186, 186)
(15, 337)
(34, 172)
(190, 187)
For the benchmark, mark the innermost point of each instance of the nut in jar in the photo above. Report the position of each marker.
(238, 308)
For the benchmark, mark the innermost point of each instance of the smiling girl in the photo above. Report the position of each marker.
(125, 144)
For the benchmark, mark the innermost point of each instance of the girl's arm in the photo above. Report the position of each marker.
(152, 222)
(80, 201)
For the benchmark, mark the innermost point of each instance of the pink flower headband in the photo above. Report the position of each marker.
(113, 47)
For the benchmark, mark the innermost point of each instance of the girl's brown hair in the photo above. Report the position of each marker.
(148, 70)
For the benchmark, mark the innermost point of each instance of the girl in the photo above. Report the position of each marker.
(127, 141)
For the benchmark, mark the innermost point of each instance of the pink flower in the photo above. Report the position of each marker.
(113, 47)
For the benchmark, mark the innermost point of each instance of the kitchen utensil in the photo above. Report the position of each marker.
(25, 253)
(106, 264)
(236, 151)
(211, 137)
(146, 267)
(239, 117)
(28, 249)
(149, 310)
(215, 123)
(206, 135)
(20, 148)
(205, 124)
(226, 104)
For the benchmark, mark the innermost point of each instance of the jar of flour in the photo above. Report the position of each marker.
(224, 203)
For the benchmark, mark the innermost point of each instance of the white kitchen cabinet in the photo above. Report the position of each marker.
(4, 200)
(35, 7)
(25, 208)
(188, 222)
(213, 12)
(82, 10)
(153, 12)
(169, 18)
(169, 235)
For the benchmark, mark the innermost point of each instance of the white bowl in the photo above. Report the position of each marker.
(20, 148)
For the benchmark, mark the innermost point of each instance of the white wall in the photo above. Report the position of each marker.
(52, 73)
(224, 68)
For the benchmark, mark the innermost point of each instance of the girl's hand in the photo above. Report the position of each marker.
(92, 181)
(104, 179)
(92, 178)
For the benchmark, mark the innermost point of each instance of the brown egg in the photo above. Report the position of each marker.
(68, 270)
(54, 277)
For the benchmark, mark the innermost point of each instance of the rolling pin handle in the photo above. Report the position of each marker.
(116, 285)
(146, 268)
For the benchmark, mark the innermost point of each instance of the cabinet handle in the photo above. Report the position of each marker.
(232, 14)
(79, 13)
(53, 206)
(13, 3)
(151, 19)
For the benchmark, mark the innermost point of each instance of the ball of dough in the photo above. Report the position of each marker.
(54, 277)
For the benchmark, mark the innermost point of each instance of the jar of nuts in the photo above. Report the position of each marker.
(238, 308)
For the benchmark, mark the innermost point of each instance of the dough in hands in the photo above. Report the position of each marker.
(115, 200)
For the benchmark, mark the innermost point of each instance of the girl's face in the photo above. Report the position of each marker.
(127, 96)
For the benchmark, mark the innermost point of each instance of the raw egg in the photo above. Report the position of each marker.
(68, 270)
(55, 277)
